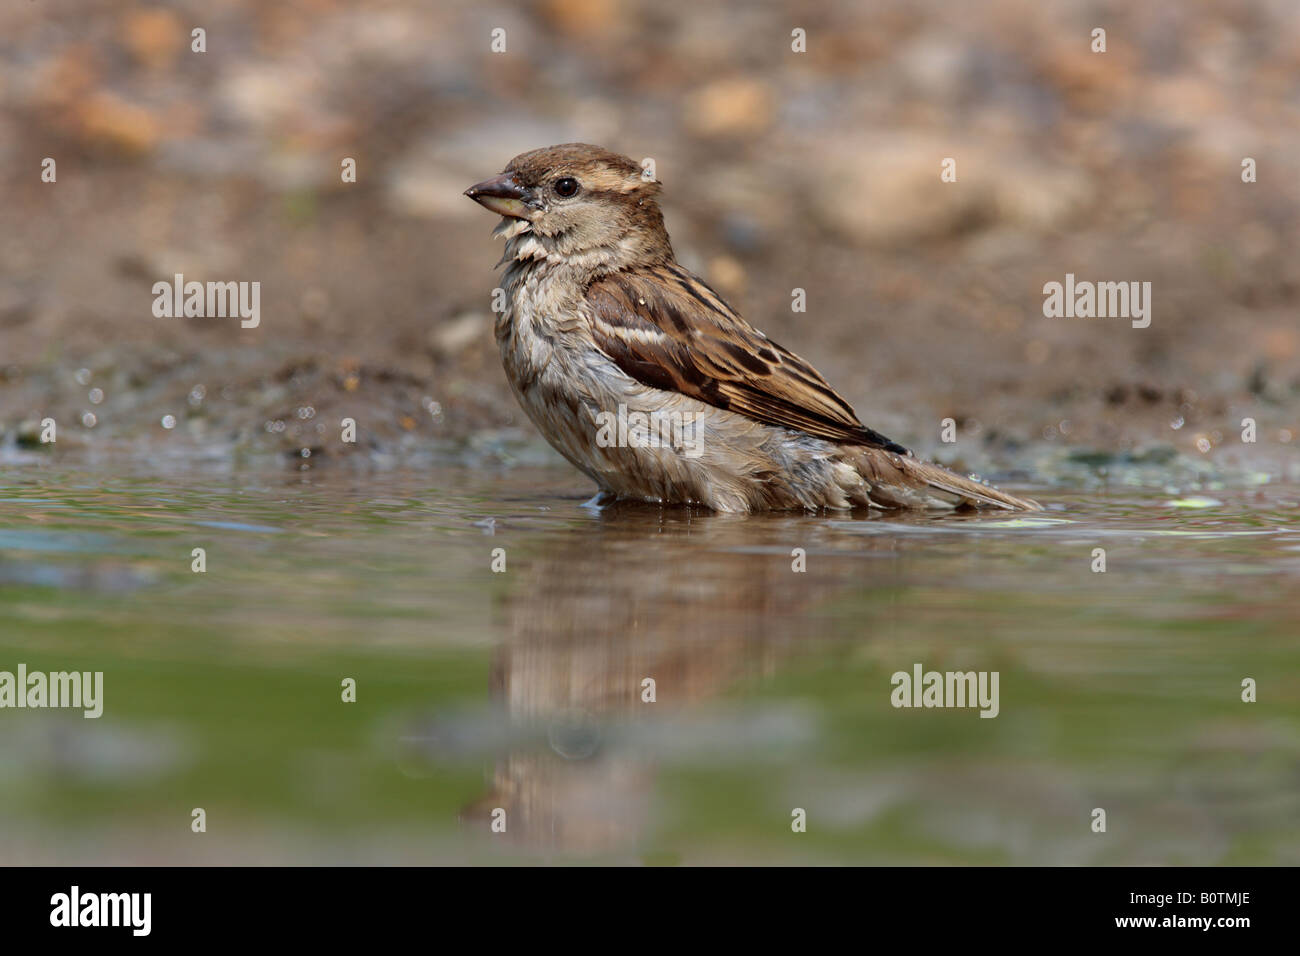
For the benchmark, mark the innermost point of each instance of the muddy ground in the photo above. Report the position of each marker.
(817, 170)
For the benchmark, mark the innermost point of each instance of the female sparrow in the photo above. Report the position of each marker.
(648, 382)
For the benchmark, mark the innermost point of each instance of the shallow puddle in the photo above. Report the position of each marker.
(524, 690)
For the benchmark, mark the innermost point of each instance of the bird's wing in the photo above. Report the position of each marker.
(666, 328)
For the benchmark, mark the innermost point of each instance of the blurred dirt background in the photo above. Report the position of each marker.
(816, 170)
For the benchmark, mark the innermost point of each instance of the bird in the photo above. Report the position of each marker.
(647, 381)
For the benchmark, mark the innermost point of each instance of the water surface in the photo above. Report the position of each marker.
(524, 690)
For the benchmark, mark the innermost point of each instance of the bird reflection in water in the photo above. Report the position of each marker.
(677, 604)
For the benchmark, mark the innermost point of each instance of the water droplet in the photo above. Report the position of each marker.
(88, 419)
(96, 396)
(83, 376)
(1177, 423)
(169, 421)
(306, 453)
(197, 394)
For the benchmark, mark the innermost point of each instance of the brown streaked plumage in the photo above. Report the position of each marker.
(601, 321)
(665, 327)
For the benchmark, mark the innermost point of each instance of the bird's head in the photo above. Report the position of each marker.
(579, 201)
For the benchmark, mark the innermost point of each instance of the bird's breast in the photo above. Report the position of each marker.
(541, 330)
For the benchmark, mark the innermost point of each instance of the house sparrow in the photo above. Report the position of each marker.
(649, 383)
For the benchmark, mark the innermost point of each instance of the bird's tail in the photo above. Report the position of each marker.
(901, 481)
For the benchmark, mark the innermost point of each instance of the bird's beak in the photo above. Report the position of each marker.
(503, 196)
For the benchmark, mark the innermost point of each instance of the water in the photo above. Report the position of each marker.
(523, 690)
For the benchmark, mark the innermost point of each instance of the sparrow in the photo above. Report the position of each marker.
(648, 382)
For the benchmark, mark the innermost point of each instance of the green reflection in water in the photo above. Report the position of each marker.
(523, 690)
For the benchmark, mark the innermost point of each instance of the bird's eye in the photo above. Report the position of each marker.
(566, 187)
